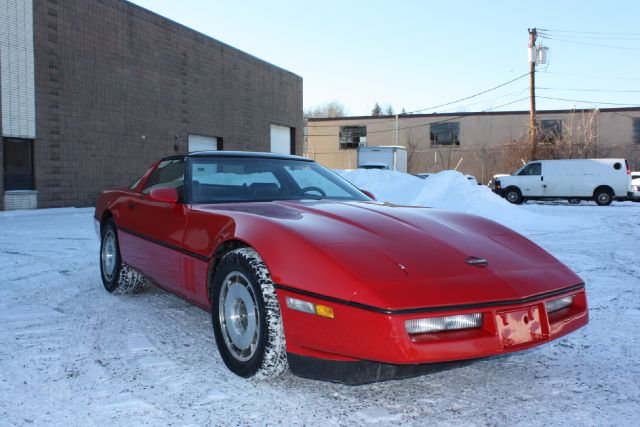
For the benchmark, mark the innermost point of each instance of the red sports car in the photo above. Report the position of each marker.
(300, 269)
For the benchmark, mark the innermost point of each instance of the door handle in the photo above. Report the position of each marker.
(131, 207)
(541, 178)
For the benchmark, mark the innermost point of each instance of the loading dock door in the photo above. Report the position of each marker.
(280, 139)
(202, 143)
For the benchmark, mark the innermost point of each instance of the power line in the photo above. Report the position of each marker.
(518, 93)
(587, 102)
(589, 90)
(587, 32)
(472, 96)
(591, 77)
(448, 103)
(457, 117)
(589, 44)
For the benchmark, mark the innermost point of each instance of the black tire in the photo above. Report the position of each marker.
(246, 317)
(116, 275)
(603, 196)
(110, 261)
(513, 195)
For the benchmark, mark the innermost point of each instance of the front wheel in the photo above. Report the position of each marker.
(117, 275)
(246, 316)
(110, 261)
(513, 195)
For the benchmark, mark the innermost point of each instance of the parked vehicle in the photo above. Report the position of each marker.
(470, 178)
(602, 180)
(299, 268)
(635, 186)
(492, 182)
(394, 157)
(380, 166)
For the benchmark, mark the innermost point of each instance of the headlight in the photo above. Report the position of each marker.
(559, 304)
(445, 323)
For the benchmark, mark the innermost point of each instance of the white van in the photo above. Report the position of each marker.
(602, 180)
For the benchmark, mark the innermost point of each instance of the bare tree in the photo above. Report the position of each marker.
(329, 109)
(577, 137)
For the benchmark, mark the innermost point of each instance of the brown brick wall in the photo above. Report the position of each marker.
(109, 72)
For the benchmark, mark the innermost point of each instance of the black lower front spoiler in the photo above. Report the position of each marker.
(364, 371)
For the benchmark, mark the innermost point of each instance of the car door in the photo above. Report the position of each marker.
(531, 181)
(158, 227)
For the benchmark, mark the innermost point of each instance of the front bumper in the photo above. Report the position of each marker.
(359, 334)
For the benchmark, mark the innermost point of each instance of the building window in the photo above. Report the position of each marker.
(636, 131)
(18, 164)
(352, 136)
(550, 130)
(445, 133)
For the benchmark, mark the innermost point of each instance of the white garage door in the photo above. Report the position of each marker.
(202, 143)
(280, 139)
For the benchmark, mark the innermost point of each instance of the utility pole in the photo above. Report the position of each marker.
(533, 56)
(396, 129)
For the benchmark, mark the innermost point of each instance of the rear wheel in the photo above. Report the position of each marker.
(513, 195)
(603, 196)
(246, 316)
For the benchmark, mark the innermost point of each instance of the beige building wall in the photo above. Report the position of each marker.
(490, 143)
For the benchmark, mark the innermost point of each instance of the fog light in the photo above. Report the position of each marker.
(309, 307)
(559, 304)
(445, 323)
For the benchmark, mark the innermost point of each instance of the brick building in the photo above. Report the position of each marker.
(93, 91)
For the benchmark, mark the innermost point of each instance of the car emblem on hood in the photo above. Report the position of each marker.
(478, 262)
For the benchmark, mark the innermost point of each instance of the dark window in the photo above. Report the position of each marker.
(550, 130)
(445, 133)
(168, 174)
(18, 164)
(532, 169)
(636, 131)
(353, 136)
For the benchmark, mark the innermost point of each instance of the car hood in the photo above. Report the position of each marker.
(398, 257)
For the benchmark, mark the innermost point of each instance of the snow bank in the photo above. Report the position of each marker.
(449, 190)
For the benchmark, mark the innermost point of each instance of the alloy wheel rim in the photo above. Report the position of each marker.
(109, 254)
(238, 316)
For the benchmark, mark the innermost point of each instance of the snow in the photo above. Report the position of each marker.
(73, 354)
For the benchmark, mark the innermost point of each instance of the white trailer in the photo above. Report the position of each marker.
(391, 157)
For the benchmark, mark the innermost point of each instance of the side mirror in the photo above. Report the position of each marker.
(368, 193)
(168, 195)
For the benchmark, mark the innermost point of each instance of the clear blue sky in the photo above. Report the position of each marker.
(419, 54)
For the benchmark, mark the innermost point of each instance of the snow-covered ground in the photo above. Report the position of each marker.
(73, 355)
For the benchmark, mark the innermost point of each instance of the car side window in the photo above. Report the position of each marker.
(168, 174)
(532, 169)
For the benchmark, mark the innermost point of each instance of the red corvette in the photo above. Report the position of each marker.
(300, 269)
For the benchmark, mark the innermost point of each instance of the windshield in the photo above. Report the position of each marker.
(243, 179)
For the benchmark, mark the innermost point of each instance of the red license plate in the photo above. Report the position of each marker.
(519, 327)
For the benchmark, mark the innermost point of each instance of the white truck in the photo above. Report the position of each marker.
(601, 180)
(391, 157)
